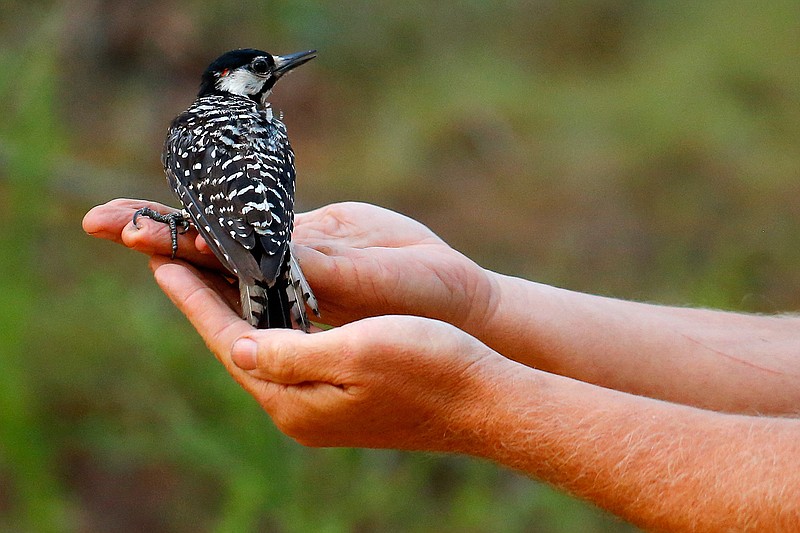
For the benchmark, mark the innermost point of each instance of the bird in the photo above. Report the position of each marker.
(228, 160)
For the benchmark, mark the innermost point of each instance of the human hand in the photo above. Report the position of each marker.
(114, 221)
(388, 382)
(360, 260)
(363, 260)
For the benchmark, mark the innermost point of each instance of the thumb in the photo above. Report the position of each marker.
(290, 357)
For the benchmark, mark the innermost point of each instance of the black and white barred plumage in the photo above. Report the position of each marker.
(229, 161)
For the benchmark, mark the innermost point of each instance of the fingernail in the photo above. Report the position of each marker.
(244, 354)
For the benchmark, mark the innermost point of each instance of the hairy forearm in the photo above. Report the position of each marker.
(711, 359)
(660, 465)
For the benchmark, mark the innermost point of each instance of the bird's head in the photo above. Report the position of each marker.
(249, 72)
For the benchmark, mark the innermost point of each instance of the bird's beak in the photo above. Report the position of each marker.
(284, 64)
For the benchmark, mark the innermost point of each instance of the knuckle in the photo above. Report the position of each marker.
(350, 347)
(278, 355)
(277, 359)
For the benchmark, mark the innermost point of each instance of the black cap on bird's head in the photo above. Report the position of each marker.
(249, 72)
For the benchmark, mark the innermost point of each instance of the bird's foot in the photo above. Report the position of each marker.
(178, 222)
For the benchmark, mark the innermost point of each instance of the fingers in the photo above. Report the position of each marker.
(335, 356)
(227, 288)
(152, 237)
(347, 355)
(114, 221)
(341, 356)
(343, 280)
(202, 246)
(193, 292)
(107, 221)
(359, 225)
(390, 381)
(326, 264)
(290, 357)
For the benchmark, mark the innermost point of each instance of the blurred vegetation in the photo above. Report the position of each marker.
(644, 150)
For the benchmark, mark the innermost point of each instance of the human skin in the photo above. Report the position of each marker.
(647, 411)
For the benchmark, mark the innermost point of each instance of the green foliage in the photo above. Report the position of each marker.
(640, 149)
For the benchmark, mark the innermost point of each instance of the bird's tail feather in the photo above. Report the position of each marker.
(253, 300)
(282, 304)
(278, 308)
(300, 295)
(265, 307)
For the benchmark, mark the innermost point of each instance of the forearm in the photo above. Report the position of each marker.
(659, 465)
(712, 359)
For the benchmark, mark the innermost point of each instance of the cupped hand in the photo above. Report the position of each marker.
(392, 381)
(363, 260)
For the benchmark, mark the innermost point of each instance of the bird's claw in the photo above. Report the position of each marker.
(175, 220)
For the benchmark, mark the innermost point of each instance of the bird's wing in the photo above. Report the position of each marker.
(240, 195)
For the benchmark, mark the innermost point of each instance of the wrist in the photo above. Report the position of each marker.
(522, 320)
(500, 312)
(485, 296)
(471, 417)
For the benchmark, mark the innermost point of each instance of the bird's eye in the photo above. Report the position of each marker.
(260, 66)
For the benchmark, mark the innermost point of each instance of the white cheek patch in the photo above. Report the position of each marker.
(241, 82)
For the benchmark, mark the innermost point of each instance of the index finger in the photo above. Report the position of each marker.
(359, 225)
(114, 221)
(107, 220)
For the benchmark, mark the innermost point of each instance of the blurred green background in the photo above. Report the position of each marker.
(645, 150)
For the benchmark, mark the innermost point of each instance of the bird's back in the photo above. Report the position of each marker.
(230, 162)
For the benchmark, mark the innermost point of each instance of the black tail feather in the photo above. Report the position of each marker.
(265, 307)
(278, 313)
(281, 306)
